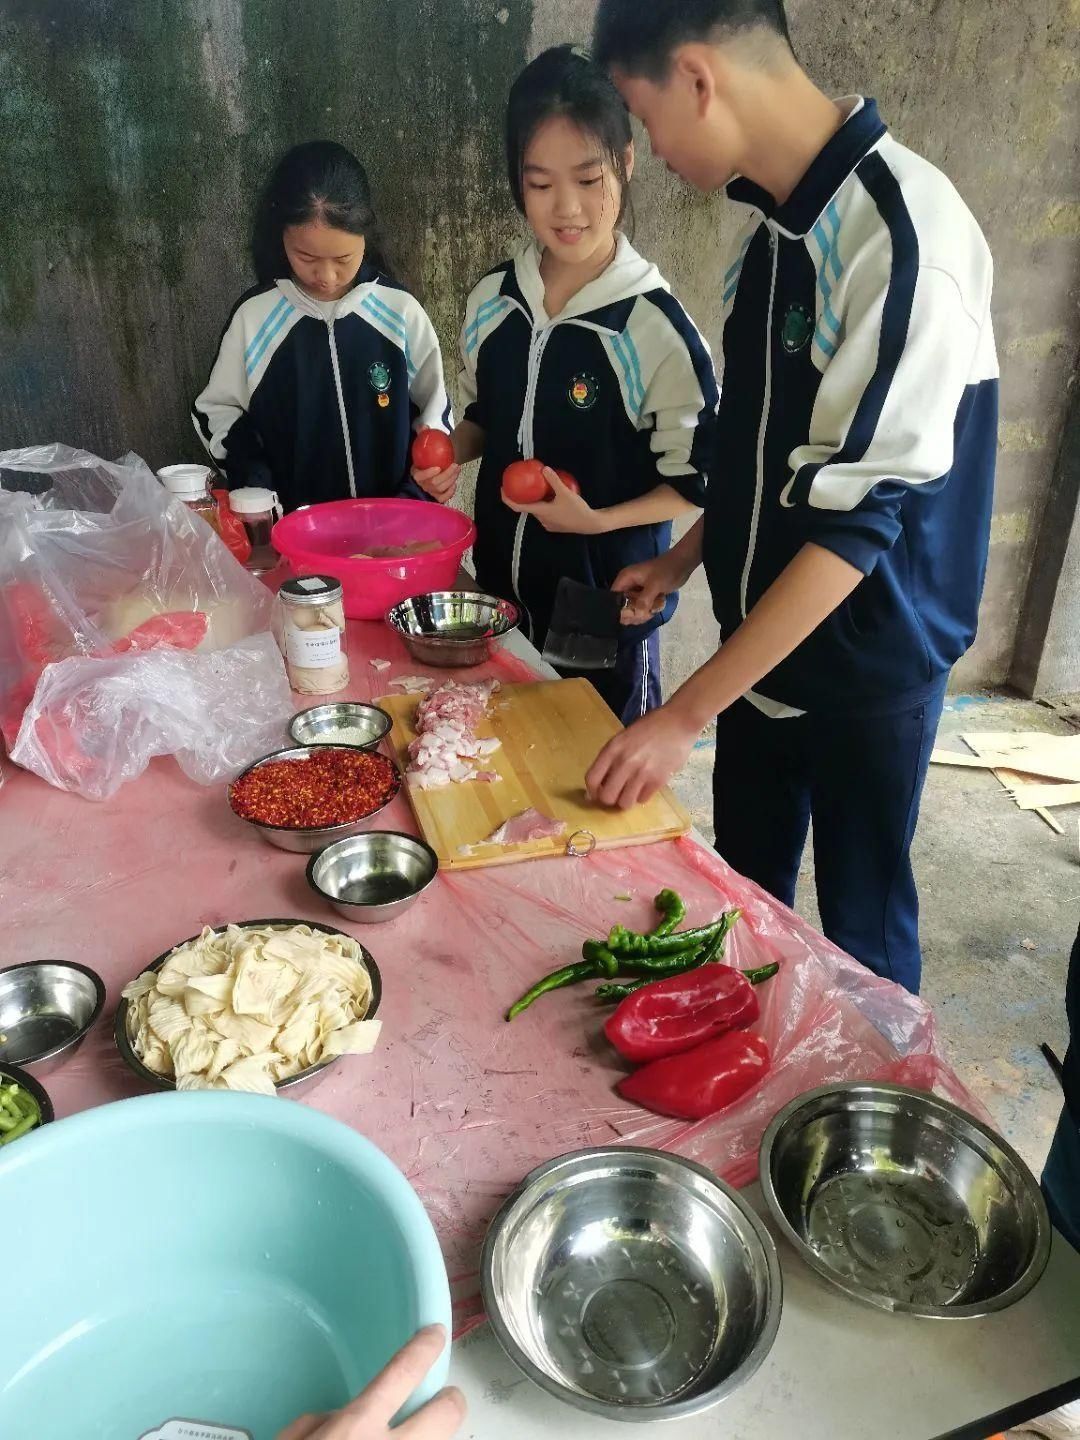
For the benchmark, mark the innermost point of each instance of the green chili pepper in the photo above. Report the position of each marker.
(568, 975)
(672, 909)
(631, 945)
(655, 970)
(600, 956)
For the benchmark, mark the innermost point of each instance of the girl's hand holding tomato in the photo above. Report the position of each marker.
(433, 465)
(552, 496)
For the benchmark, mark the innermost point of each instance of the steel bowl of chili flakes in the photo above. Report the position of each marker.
(304, 799)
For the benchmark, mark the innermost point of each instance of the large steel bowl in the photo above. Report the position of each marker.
(294, 1082)
(373, 877)
(904, 1201)
(632, 1283)
(308, 839)
(452, 627)
(46, 1009)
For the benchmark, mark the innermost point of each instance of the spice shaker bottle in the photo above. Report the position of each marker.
(309, 627)
(258, 509)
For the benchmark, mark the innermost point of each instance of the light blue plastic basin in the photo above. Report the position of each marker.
(225, 1259)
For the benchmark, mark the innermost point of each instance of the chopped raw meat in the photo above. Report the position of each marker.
(487, 776)
(445, 735)
(380, 664)
(414, 684)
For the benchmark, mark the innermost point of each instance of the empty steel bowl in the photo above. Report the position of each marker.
(631, 1283)
(373, 877)
(164, 1082)
(452, 627)
(307, 839)
(23, 1078)
(325, 724)
(46, 1008)
(904, 1201)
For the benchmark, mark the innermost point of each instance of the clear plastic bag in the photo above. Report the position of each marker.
(94, 724)
(97, 559)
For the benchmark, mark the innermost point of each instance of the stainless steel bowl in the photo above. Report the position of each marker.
(306, 839)
(163, 1082)
(35, 1088)
(46, 1009)
(452, 627)
(631, 1283)
(904, 1201)
(375, 876)
(322, 724)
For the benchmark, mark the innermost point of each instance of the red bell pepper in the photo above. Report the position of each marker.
(701, 1081)
(676, 1014)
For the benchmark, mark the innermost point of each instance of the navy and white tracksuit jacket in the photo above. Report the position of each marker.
(320, 401)
(858, 411)
(618, 389)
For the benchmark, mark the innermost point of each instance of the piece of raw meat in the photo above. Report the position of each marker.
(528, 825)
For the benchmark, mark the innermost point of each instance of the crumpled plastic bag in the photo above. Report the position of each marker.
(97, 558)
(94, 724)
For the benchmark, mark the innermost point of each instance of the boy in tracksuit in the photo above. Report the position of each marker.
(846, 534)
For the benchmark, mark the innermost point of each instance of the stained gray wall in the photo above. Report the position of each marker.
(134, 132)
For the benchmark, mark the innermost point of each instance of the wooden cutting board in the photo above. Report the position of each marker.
(551, 733)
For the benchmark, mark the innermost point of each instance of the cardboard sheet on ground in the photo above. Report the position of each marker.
(464, 1103)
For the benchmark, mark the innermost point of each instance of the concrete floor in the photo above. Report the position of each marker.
(1000, 905)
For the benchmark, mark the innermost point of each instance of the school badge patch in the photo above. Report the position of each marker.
(583, 392)
(797, 329)
(379, 377)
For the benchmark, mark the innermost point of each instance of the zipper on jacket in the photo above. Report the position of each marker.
(537, 346)
(341, 408)
(774, 249)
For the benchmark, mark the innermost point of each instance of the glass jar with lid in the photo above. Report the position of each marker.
(309, 626)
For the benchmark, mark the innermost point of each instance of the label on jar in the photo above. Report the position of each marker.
(313, 649)
(178, 1429)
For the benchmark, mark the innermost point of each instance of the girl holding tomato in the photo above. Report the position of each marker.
(589, 394)
(328, 365)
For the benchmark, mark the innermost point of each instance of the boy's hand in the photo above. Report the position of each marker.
(368, 1416)
(647, 586)
(565, 513)
(637, 763)
(439, 484)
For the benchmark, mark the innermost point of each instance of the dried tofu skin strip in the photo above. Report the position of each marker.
(246, 1007)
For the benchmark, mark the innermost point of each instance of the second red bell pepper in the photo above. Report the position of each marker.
(701, 1081)
(669, 1016)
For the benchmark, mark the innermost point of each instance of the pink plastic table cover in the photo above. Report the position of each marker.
(464, 1103)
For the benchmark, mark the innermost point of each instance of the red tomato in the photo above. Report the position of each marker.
(523, 482)
(432, 450)
(569, 481)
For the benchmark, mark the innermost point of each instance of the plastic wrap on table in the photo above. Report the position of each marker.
(463, 1102)
(91, 551)
(94, 724)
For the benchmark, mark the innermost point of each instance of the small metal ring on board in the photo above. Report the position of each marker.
(572, 848)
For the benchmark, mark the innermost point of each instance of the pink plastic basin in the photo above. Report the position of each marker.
(319, 540)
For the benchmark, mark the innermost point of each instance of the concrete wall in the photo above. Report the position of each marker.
(134, 133)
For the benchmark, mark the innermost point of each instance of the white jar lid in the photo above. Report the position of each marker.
(186, 482)
(252, 500)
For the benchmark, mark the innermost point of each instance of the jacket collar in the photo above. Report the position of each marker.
(599, 304)
(856, 137)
